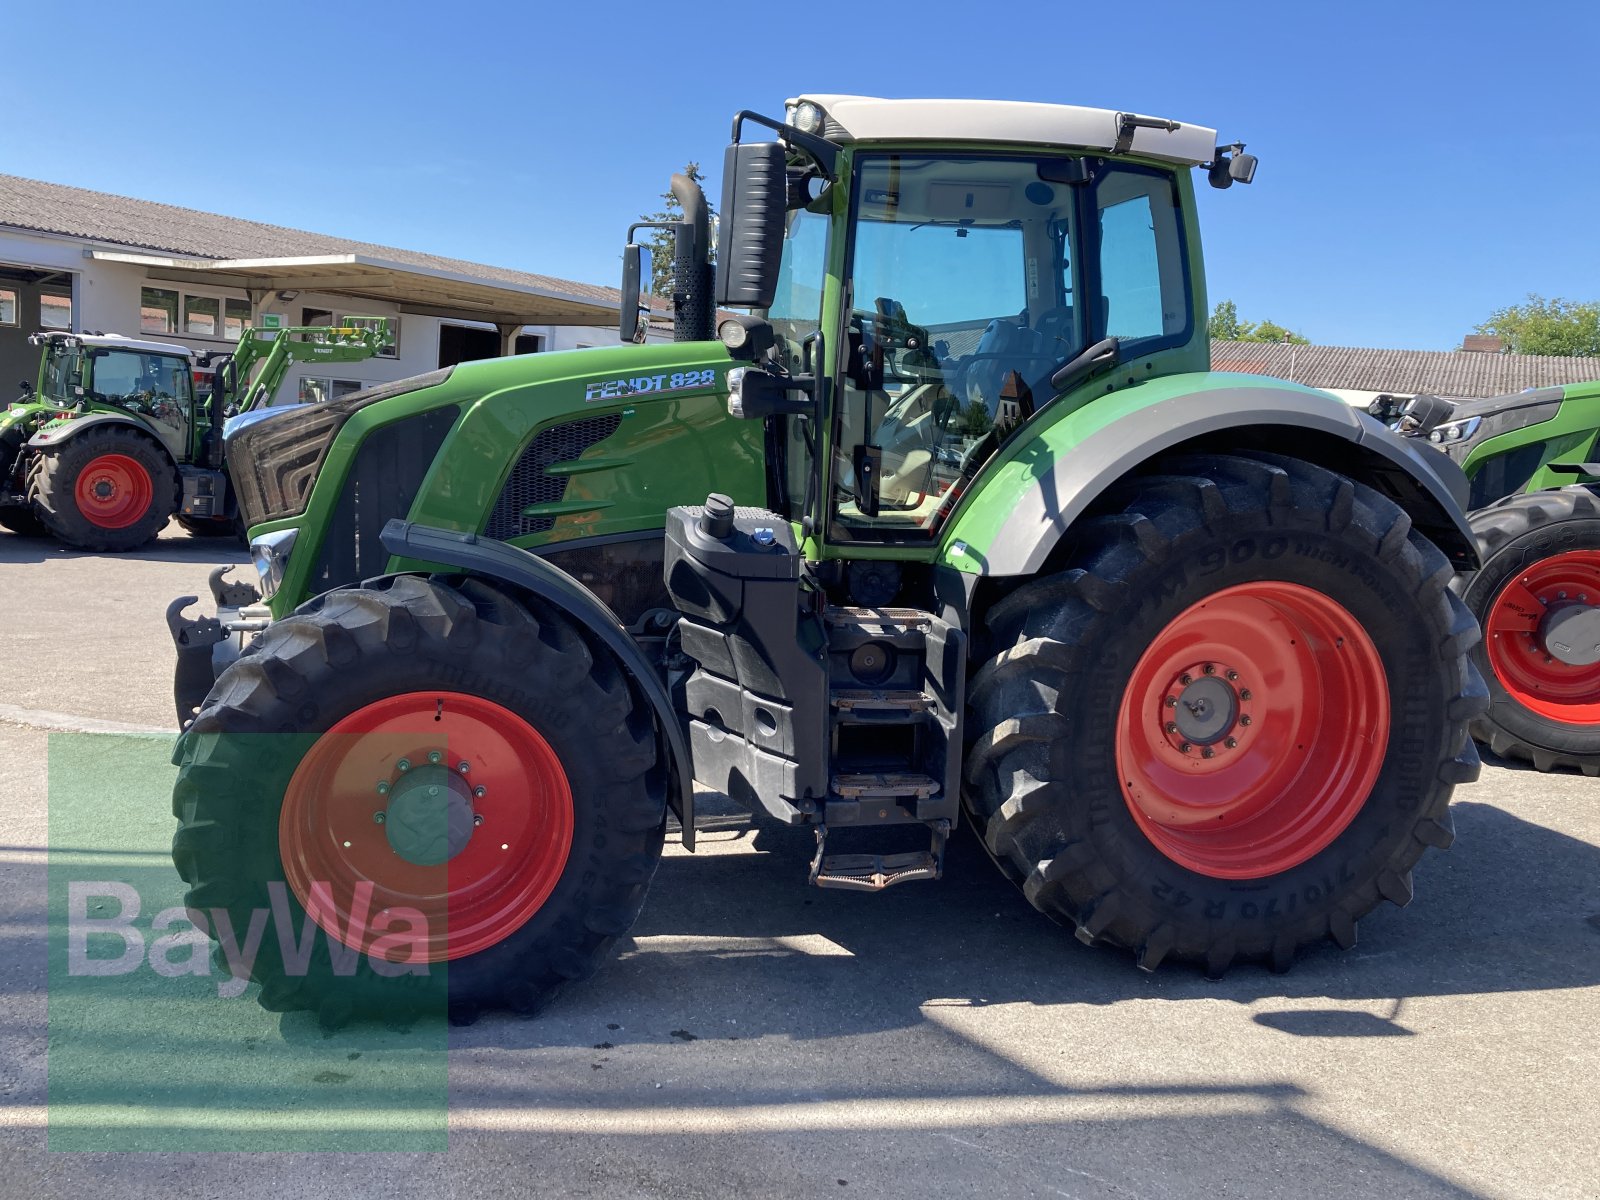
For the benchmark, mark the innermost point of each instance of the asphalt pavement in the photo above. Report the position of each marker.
(754, 1036)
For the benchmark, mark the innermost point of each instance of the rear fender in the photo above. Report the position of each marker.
(52, 434)
(1022, 507)
(490, 559)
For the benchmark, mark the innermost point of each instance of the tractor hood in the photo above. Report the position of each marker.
(1456, 426)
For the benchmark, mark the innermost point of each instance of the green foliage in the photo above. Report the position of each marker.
(975, 420)
(662, 242)
(1225, 325)
(1539, 326)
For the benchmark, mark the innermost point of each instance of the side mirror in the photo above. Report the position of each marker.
(750, 232)
(1242, 168)
(631, 327)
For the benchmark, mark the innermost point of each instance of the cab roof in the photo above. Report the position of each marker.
(870, 119)
(115, 341)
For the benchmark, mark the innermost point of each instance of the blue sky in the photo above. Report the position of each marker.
(1421, 163)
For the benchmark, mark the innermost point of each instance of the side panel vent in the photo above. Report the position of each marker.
(528, 483)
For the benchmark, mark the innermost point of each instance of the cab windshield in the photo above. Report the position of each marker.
(62, 375)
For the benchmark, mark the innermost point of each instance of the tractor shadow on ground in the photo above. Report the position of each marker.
(172, 546)
(1504, 910)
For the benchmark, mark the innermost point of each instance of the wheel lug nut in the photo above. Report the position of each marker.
(1233, 677)
(477, 818)
(1172, 702)
(378, 818)
(435, 757)
(1172, 727)
(1208, 752)
(463, 766)
(1245, 694)
(403, 765)
(1185, 747)
(1186, 680)
(1209, 669)
(1231, 743)
(383, 787)
(1244, 720)
(480, 791)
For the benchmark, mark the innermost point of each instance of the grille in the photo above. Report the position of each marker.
(382, 484)
(529, 484)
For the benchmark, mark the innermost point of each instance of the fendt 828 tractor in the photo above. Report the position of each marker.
(1533, 464)
(111, 441)
(933, 507)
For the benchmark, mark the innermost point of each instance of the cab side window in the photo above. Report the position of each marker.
(1142, 280)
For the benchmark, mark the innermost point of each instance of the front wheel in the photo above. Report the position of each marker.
(1232, 724)
(434, 794)
(1537, 596)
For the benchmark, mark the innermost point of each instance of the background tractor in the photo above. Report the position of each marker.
(984, 535)
(111, 441)
(1535, 478)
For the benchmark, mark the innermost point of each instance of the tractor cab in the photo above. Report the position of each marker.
(153, 381)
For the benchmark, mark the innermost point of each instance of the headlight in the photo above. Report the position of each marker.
(735, 384)
(270, 554)
(732, 334)
(1455, 431)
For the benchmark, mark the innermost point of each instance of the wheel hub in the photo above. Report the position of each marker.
(429, 817)
(1571, 633)
(1206, 710)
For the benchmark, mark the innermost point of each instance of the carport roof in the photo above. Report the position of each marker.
(188, 245)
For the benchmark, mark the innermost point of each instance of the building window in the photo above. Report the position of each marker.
(55, 310)
(200, 315)
(235, 318)
(158, 311)
(8, 306)
(529, 343)
(315, 391)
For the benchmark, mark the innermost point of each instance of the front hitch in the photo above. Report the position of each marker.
(206, 645)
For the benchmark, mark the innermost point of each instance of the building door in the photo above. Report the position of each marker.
(30, 300)
(462, 343)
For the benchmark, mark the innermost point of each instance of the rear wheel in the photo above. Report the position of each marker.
(455, 793)
(110, 487)
(1537, 596)
(1232, 724)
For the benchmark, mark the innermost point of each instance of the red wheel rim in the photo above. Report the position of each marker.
(1532, 676)
(1252, 730)
(114, 491)
(369, 852)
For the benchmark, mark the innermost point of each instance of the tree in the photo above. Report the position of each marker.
(662, 242)
(1226, 326)
(1540, 326)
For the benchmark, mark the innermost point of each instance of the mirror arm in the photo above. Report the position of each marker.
(821, 149)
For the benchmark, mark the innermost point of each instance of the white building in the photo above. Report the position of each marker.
(89, 261)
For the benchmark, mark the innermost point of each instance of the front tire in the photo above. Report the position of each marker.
(1294, 784)
(110, 487)
(1541, 555)
(306, 776)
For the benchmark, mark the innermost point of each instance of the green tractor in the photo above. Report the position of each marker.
(1534, 469)
(111, 441)
(933, 507)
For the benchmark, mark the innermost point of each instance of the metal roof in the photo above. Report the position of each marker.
(868, 118)
(1454, 373)
(187, 244)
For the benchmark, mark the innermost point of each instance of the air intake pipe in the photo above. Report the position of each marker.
(693, 311)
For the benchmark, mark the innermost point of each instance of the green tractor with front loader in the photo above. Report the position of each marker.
(1533, 465)
(112, 440)
(933, 509)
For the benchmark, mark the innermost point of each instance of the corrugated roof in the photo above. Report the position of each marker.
(1454, 373)
(122, 220)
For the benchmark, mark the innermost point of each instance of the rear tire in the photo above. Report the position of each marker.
(261, 777)
(1058, 710)
(1545, 713)
(110, 487)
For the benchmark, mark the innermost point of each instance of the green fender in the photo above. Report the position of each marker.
(1020, 507)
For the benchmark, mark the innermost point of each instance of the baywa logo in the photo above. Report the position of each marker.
(176, 941)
